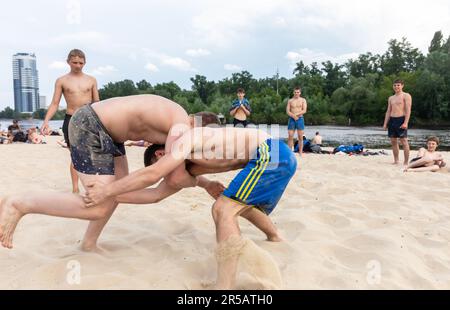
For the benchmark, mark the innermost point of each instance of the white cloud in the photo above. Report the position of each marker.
(59, 65)
(166, 60)
(309, 56)
(177, 63)
(230, 67)
(151, 67)
(103, 70)
(198, 52)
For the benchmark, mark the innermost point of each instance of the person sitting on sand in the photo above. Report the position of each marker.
(427, 159)
(317, 140)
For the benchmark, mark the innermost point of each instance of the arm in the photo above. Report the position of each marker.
(95, 95)
(148, 195)
(179, 177)
(304, 107)
(53, 106)
(247, 112)
(408, 104)
(97, 193)
(388, 114)
(233, 111)
(197, 170)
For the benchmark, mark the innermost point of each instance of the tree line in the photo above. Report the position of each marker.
(356, 91)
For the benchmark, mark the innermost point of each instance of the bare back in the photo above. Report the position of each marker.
(225, 147)
(78, 90)
(141, 117)
(398, 104)
(296, 106)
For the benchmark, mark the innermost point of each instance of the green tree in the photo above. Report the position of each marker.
(8, 113)
(144, 87)
(401, 56)
(167, 90)
(436, 42)
(118, 89)
(203, 87)
(363, 65)
(334, 77)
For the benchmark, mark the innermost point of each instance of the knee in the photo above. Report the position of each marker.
(220, 212)
(100, 212)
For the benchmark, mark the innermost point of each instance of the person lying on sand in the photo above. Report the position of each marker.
(427, 159)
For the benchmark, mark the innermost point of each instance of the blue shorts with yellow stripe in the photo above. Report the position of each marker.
(262, 182)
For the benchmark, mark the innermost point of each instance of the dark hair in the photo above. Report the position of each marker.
(433, 138)
(149, 154)
(76, 53)
(317, 133)
(399, 81)
(240, 90)
(298, 88)
(206, 118)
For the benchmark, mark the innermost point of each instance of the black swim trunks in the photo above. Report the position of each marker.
(92, 148)
(65, 129)
(239, 123)
(394, 130)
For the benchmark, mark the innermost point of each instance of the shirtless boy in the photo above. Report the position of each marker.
(295, 109)
(427, 159)
(253, 193)
(78, 89)
(397, 119)
(96, 134)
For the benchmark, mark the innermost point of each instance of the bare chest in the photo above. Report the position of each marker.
(77, 89)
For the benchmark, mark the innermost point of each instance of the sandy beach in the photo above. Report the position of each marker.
(351, 222)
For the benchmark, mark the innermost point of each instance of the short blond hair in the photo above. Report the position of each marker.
(76, 53)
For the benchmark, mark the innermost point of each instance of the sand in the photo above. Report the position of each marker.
(350, 223)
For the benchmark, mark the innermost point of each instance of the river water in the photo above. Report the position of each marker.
(370, 137)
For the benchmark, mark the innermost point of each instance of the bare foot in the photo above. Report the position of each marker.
(396, 163)
(9, 217)
(91, 248)
(275, 238)
(76, 191)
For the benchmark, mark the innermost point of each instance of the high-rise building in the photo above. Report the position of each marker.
(26, 83)
(42, 102)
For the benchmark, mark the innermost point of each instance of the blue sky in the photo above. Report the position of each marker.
(163, 41)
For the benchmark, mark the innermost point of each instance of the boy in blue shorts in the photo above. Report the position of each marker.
(296, 109)
(268, 165)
